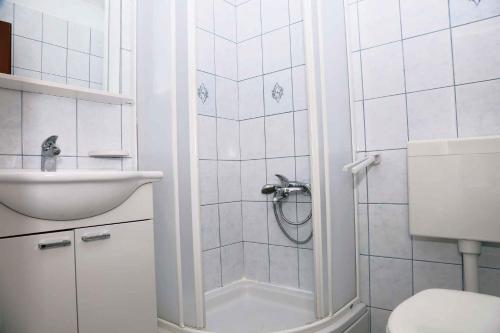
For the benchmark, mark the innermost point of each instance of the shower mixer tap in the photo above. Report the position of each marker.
(281, 192)
(285, 188)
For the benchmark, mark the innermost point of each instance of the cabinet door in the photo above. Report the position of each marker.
(115, 278)
(37, 284)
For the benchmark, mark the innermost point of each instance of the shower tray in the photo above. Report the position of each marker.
(251, 307)
(248, 306)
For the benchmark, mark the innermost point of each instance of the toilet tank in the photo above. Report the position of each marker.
(454, 188)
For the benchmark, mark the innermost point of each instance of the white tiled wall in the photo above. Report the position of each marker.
(26, 119)
(49, 48)
(252, 124)
(274, 137)
(420, 69)
(219, 147)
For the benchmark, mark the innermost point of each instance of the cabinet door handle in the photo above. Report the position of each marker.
(90, 237)
(52, 244)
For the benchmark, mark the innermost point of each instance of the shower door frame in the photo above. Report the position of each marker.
(321, 172)
(324, 158)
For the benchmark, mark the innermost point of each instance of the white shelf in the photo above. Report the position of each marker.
(50, 88)
(109, 153)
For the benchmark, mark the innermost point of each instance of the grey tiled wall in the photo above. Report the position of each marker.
(421, 69)
(252, 124)
(26, 119)
(219, 150)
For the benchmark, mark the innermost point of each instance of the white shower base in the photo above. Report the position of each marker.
(253, 307)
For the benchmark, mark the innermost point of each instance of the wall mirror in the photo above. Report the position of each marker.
(69, 42)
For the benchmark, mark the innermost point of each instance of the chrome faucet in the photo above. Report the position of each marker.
(281, 192)
(285, 188)
(50, 151)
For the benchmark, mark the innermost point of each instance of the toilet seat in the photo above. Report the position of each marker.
(446, 311)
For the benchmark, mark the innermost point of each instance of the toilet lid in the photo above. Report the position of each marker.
(446, 311)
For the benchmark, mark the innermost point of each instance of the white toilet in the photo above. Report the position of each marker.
(454, 191)
(446, 311)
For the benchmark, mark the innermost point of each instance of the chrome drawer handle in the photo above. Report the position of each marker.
(46, 245)
(96, 237)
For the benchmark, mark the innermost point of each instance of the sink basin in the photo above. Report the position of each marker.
(69, 195)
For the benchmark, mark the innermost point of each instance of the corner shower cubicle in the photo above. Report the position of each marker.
(261, 232)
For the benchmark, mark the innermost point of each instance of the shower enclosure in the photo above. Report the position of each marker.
(256, 229)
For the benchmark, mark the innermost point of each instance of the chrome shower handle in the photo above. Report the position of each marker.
(283, 180)
(293, 186)
(282, 190)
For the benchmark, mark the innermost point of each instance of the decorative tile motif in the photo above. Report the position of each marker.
(476, 2)
(203, 93)
(277, 92)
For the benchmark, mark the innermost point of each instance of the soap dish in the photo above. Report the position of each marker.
(109, 153)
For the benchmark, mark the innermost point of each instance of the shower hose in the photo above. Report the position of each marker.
(282, 220)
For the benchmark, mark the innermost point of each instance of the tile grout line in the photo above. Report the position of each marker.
(424, 34)
(217, 152)
(453, 69)
(243, 272)
(22, 129)
(215, 75)
(455, 97)
(365, 143)
(121, 133)
(218, 165)
(220, 247)
(41, 50)
(294, 141)
(271, 72)
(90, 49)
(265, 33)
(67, 50)
(120, 83)
(13, 53)
(76, 133)
(265, 137)
(407, 129)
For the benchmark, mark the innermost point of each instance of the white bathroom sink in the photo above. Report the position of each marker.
(69, 195)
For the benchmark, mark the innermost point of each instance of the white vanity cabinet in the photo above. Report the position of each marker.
(115, 278)
(93, 275)
(37, 284)
(104, 276)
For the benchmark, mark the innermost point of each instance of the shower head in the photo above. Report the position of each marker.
(268, 189)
